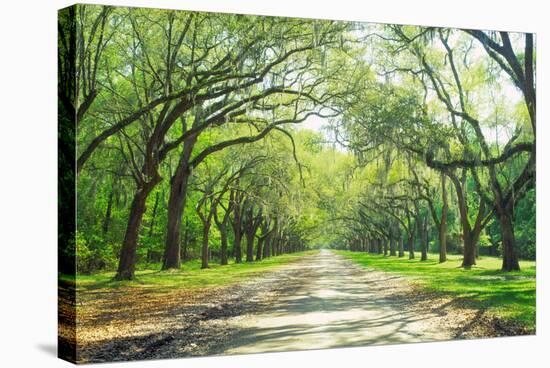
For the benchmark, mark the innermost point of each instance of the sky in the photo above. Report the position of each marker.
(314, 122)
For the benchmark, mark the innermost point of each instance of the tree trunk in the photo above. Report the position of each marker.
(176, 205)
(237, 226)
(249, 246)
(469, 251)
(267, 246)
(470, 236)
(275, 246)
(410, 245)
(273, 241)
(509, 256)
(401, 250)
(392, 247)
(185, 241)
(154, 215)
(385, 242)
(237, 247)
(443, 242)
(259, 248)
(253, 224)
(127, 262)
(107, 220)
(443, 221)
(424, 239)
(223, 246)
(204, 249)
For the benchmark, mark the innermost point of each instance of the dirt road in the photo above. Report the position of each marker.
(320, 301)
(331, 302)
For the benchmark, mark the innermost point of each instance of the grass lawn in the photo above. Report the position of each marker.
(509, 295)
(189, 276)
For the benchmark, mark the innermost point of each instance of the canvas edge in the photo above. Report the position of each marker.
(66, 186)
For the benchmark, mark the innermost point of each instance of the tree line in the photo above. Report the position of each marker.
(152, 88)
(447, 110)
(187, 142)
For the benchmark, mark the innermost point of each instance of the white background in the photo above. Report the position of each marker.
(28, 180)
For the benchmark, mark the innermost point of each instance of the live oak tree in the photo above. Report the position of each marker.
(479, 153)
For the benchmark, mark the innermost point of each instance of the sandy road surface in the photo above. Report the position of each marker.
(320, 301)
(330, 302)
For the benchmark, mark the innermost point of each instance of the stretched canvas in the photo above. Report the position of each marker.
(234, 184)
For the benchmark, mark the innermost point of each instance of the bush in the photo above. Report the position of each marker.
(90, 258)
(526, 249)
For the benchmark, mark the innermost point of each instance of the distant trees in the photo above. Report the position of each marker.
(429, 193)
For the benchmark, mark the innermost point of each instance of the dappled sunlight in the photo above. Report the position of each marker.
(506, 294)
(336, 305)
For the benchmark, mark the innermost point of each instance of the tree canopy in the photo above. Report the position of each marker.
(193, 138)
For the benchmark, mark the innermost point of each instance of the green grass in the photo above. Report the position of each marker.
(509, 295)
(189, 276)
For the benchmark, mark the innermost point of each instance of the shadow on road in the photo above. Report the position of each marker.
(334, 303)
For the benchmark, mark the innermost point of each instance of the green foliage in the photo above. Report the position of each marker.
(402, 111)
(525, 225)
(505, 294)
(93, 255)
